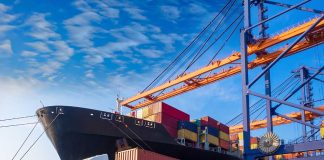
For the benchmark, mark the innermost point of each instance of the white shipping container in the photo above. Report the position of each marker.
(140, 154)
(139, 113)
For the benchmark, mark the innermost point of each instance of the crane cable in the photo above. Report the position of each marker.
(216, 39)
(30, 147)
(15, 118)
(199, 54)
(281, 87)
(31, 131)
(188, 47)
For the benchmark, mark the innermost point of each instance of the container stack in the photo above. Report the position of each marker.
(253, 141)
(165, 114)
(224, 141)
(212, 135)
(188, 131)
(218, 133)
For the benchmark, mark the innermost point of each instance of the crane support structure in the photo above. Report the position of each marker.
(276, 121)
(190, 81)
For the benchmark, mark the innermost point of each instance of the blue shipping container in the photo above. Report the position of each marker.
(187, 125)
(211, 130)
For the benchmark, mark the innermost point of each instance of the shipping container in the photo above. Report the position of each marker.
(209, 121)
(254, 140)
(240, 135)
(224, 144)
(322, 132)
(224, 136)
(145, 112)
(140, 154)
(187, 125)
(139, 113)
(254, 146)
(187, 134)
(210, 138)
(211, 130)
(234, 137)
(174, 112)
(224, 128)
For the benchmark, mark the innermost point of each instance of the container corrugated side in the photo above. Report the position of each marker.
(209, 121)
(223, 136)
(140, 154)
(211, 130)
(210, 138)
(187, 134)
(224, 128)
(178, 114)
(187, 125)
(224, 144)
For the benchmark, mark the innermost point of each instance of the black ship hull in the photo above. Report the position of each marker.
(79, 133)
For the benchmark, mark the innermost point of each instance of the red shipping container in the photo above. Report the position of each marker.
(254, 140)
(210, 121)
(140, 154)
(173, 132)
(167, 120)
(165, 108)
(224, 128)
(224, 144)
(234, 137)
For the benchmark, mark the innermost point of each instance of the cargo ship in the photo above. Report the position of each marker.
(79, 133)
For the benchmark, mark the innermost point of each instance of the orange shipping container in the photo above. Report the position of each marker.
(140, 154)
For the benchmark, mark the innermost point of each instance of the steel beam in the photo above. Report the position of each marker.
(309, 158)
(299, 8)
(293, 148)
(298, 121)
(287, 50)
(286, 103)
(245, 35)
(279, 14)
(300, 86)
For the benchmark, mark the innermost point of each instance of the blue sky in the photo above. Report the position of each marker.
(85, 52)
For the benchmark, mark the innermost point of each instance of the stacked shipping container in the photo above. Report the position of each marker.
(165, 114)
(188, 131)
(237, 142)
(221, 132)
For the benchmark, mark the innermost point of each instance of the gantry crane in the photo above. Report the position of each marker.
(191, 82)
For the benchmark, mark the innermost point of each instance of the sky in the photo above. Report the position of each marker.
(86, 52)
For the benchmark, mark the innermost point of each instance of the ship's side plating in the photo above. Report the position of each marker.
(79, 133)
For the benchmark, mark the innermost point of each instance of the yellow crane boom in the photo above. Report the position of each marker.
(276, 121)
(190, 80)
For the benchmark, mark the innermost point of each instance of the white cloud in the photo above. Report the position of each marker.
(136, 13)
(5, 47)
(5, 17)
(40, 27)
(150, 53)
(49, 68)
(168, 39)
(5, 28)
(39, 46)
(28, 54)
(101, 7)
(63, 52)
(196, 9)
(80, 30)
(89, 74)
(94, 59)
(170, 12)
